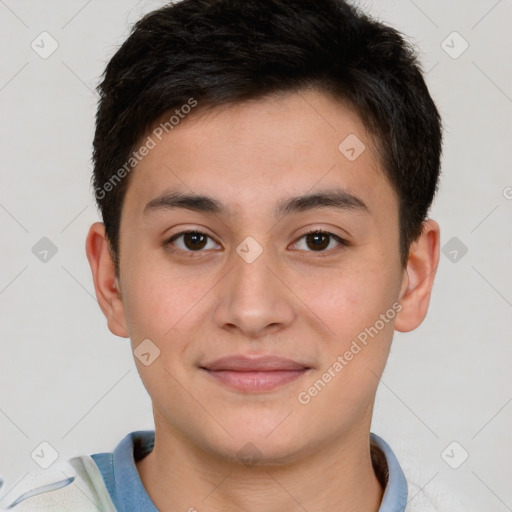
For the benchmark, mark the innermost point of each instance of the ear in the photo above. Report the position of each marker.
(106, 284)
(418, 278)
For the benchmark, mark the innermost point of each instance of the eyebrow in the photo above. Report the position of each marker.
(336, 198)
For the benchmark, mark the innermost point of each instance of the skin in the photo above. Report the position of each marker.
(294, 300)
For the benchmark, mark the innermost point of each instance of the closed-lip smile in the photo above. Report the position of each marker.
(256, 373)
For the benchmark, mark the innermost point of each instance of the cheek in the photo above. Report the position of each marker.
(349, 300)
(154, 299)
(165, 303)
(359, 312)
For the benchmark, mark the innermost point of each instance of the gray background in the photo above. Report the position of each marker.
(65, 380)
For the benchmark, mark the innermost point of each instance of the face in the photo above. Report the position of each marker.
(248, 280)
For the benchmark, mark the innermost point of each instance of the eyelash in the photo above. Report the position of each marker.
(341, 241)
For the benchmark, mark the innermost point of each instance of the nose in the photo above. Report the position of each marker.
(254, 298)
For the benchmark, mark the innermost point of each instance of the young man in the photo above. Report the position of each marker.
(264, 171)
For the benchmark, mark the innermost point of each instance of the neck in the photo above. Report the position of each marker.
(179, 475)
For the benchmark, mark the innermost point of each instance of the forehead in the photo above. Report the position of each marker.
(250, 155)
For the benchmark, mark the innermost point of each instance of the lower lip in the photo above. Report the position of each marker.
(256, 381)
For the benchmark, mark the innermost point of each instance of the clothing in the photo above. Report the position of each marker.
(75, 485)
(128, 493)
(110, 482)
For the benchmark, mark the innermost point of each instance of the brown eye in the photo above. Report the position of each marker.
(319, 241)
(192, 241)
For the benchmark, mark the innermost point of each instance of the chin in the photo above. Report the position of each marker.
(253, 444)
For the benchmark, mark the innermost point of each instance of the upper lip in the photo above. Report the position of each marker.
(254, 364)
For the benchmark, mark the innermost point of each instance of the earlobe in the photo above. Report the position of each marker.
(106, 283)
(418, 278)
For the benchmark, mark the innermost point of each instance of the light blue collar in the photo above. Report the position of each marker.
(395, 492)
